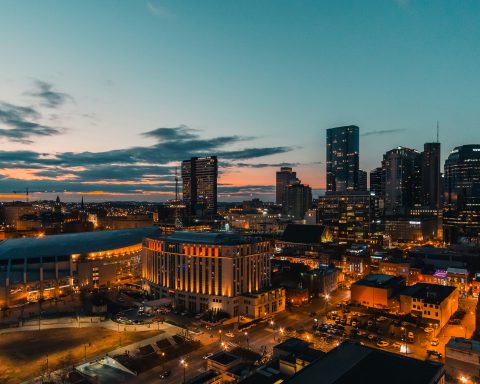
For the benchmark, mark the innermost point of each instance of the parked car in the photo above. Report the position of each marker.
(229, 334)
(434, 342)
(429, 330)
(396, 344)
(382, 318)
(383, 344)
(165, 374)
(206, 356)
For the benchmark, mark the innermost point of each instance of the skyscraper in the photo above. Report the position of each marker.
(299, 200)
(199, 176)
(362, 180)
(402, 185)
(342, 158)
(431, 175)
(376, 181)
(462, 193)
(285, 177)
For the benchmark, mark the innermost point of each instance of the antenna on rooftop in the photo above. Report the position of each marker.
(438, 131)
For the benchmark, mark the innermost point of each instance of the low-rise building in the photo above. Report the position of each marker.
(462, 360)
(323, 280)
(294, 355)
(433, 303)
(377, 291)
(351, 362)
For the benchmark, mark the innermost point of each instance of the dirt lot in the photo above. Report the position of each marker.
(24, 354)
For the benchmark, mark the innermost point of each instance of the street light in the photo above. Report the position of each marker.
(163, 361)
(220, 334)
(246, 336)
(185, 365)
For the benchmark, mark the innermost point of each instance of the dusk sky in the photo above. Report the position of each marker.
(104, 98)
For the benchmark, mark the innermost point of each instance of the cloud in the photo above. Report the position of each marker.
(156, 9)
(382, 132)
(260, 165)
(140, 169)
(21, 124)
(48, 97)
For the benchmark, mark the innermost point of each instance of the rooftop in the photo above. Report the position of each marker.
(352, 363)
(224, 358)
(430, 293)
(204, 377)
(464, 344)
(303, 234)
(74, 243)
(220, 238)
(379, 281)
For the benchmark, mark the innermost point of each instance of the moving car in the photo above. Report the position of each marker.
(207, 355)
(229, 334)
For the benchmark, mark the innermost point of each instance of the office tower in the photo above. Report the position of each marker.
(376, 181)
(285, 177)
(342, 158)
(462, 193)
(299, 200)
(199, 175)
(362, 180)
(351, 216)
(219, 271)
(431, 175)
(402, 170)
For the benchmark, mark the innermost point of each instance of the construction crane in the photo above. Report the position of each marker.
(27, 193)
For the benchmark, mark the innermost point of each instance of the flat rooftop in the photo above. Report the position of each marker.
(73, 243)
(213, 238)
(429, 293)
(224, 358)
(352, 363)
(379, 281)
(464, 344)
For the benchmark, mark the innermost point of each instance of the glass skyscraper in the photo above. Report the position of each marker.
(342, 158)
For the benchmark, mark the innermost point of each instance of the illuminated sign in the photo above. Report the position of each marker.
(415, 222)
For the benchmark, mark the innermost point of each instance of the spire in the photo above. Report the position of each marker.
(57, 200)
(82, 206)
(438, 131)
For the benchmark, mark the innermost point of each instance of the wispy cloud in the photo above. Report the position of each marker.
(383, 132)
(49, 97)
(158, 10)
(22, 124)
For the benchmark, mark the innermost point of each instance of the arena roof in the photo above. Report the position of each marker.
(74, 243)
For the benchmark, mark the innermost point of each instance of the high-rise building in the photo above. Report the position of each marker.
(362, 180)
(402, 185)
(462, 193)
(342, 158)
(219, 271)
(285, 177)
(199, 176)
(431, 175)
(376, 181)
(299, 200)
(350, 216)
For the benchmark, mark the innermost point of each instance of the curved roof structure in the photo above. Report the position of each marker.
(75, 243)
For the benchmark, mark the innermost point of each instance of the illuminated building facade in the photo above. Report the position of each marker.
(461, 217)
(46, 267)
(350, 216)
(219, 271)
(342, 158)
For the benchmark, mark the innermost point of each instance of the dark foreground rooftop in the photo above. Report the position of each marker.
(352, 363)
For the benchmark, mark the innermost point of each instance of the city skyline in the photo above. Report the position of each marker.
(119, 108)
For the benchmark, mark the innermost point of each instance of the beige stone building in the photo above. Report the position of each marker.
(213, 270)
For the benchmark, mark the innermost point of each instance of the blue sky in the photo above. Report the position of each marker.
(266, 77)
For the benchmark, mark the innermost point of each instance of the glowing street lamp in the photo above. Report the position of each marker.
(185, 365)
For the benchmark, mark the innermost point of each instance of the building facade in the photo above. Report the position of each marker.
(284, 178)
(299, 200)
(199, 175)
(461, 216)
(218, 271)
(342, 158)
